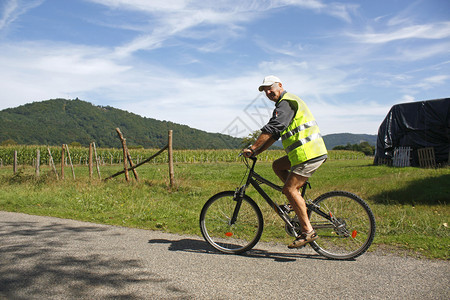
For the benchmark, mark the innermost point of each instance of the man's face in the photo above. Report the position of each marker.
(274, 91)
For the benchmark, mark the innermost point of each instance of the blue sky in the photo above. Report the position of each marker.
(200, 62)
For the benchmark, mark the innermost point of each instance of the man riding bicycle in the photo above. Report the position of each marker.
(293, 122)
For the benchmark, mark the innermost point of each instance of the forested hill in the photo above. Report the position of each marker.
(60, 121)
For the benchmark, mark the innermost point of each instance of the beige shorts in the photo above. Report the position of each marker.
(306, 169)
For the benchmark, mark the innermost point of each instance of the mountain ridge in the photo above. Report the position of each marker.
(59, 121)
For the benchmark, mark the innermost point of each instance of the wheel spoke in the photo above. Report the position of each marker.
(352, 229)
(231, 238)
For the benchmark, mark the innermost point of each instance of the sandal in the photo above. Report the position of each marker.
(303, 239)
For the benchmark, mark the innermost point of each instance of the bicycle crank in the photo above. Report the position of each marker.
(294, 230)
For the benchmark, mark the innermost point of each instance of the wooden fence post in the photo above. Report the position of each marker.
(136, 176)
(15, 162)
(170, 153)
(52, 163)
(96, 160)
(70, 161)
(123, 140)
(62, 162)
(126, 157)
(90, 161)
(125, 151)
(38, 161)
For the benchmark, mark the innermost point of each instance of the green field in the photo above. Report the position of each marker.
(410, 204)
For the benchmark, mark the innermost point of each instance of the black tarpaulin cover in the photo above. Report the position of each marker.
(417, 125)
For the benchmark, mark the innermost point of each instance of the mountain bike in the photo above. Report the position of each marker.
(232, 222)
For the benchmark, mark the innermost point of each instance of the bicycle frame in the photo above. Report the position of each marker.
(256, 181)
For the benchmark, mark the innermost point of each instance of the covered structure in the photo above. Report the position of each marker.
(415, 126)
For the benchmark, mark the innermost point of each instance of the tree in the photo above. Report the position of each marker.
(367, 148)
(364, 147)
(250, 139)
(75, 144)
(9, 142)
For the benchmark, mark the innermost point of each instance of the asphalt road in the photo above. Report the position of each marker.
(50, 258)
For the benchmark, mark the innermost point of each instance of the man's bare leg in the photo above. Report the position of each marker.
(282, 167)
(292, 184)
(291, 189)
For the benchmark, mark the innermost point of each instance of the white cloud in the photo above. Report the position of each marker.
(12, 9)
(144, 5)
(343, 11)
(423, 51)
(310, 4)
(359, 117)
(186, 18)
(9, 13)
(439, 30)
(147, 42)
(37, 71)
(431, 82)
(182, 19)
(407, 98)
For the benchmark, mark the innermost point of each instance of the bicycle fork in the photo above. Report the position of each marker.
(238, 196)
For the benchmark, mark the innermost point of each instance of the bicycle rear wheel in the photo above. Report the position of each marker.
(352, 229)
(216, 227)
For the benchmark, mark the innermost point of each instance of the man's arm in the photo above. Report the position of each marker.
(264, 141)
(281, 118)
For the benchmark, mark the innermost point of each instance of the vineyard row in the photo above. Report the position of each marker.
(26, 155)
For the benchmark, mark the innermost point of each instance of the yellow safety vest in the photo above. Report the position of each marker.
(301, 140)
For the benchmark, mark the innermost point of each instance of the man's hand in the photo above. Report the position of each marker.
(248, 152)
(263, 142)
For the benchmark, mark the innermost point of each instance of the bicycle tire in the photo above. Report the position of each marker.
(357, 226)
(219, 233)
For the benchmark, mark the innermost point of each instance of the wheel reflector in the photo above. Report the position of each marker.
(228, 234)
(354, 233)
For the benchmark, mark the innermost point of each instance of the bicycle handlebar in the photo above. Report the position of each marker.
(251, 157)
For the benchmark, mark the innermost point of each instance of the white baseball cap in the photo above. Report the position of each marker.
(268, 81)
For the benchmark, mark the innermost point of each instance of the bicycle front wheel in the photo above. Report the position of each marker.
(351, 229)
(221, 232)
